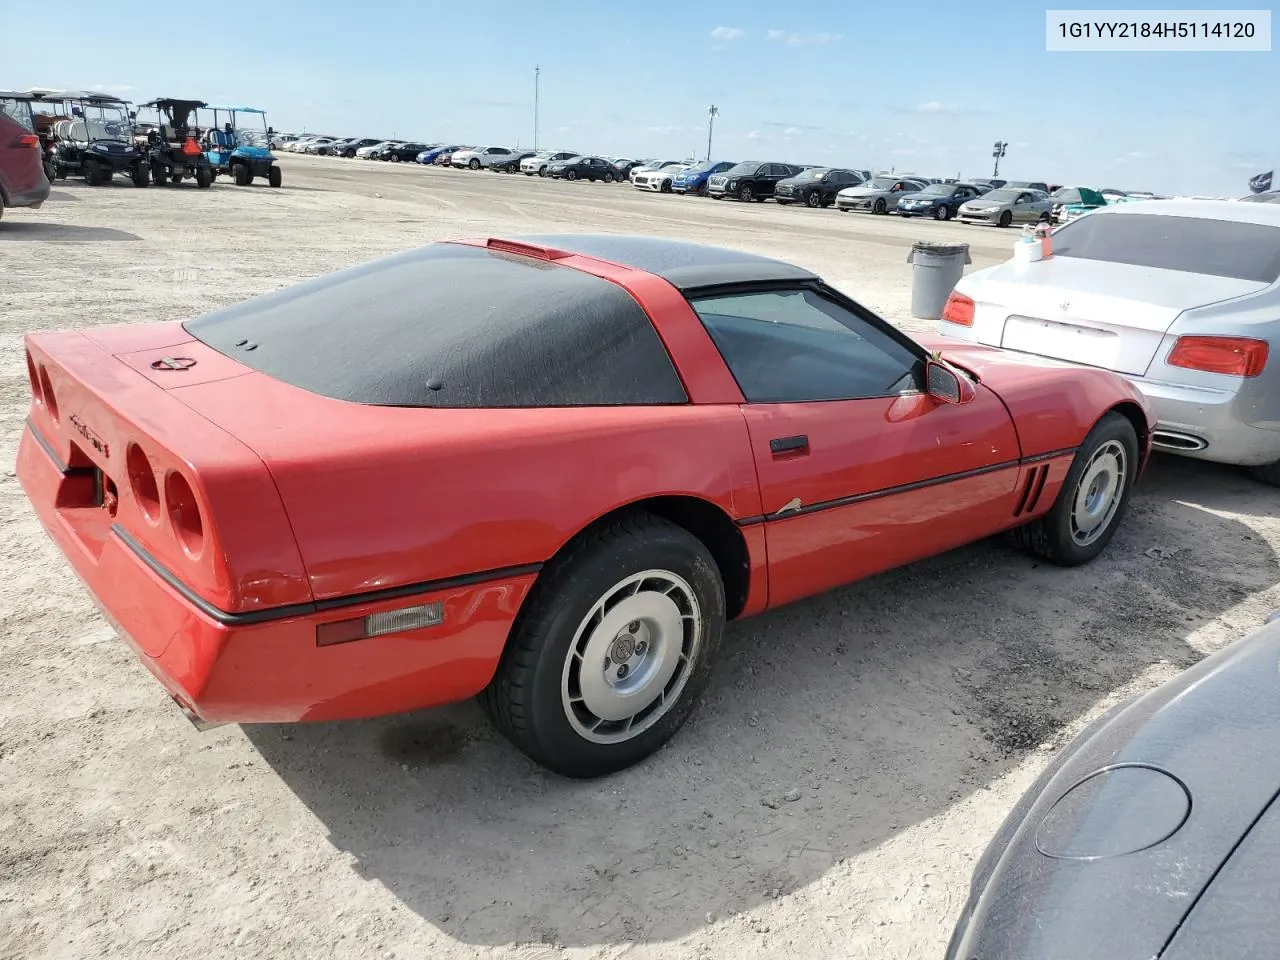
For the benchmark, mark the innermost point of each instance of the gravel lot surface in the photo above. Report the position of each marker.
(853, 756)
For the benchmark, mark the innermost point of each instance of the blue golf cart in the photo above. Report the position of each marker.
(241, 150)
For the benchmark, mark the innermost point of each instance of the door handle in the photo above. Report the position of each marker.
(798, 444)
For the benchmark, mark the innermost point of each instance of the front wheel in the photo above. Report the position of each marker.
(1092, 499)
(1006, 218)
(204, 177)
(243, 175)
(942, 213)
(746, 194)
(274, 176)
(879, 206)
(813, 199)
(616, 641)
(571, 175)
(140, 175)
(474, 164)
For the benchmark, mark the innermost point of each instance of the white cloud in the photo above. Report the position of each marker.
(790, 132)
(664, 129)
(753, 135)
(935, 106)
(1022, 145)
(776, 34)
(727, 33)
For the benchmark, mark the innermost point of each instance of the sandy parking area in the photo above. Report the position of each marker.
(851, 759)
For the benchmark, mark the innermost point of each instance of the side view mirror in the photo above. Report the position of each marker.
(946, 384)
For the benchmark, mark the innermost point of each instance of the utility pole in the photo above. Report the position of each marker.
(998, 151)
(712, 112)
(537, 76)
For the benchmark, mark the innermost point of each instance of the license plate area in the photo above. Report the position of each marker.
(1072, 342)
(87, 501)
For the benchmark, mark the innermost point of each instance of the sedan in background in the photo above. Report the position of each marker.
(1072, 202)
(538, 163)
(938, 200)
(1007, 206)
(350, 148)
(1154, 833)
(816, 186)
(659, 181)
(583, 168)
(319, 146)
(1180, 296)
(435, 153)
(694, 179)
(370, 152)
(878, 195)
(401, 152)
(512, 163)
(750, 180)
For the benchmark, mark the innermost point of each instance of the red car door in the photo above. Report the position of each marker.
(859, 470)
(21, 170)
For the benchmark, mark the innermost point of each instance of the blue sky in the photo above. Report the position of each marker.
(926, 87)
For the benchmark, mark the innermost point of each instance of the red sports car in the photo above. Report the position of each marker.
(543, 470)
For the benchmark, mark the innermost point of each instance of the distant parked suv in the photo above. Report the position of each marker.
(22, 179)
(750, 180)
(816, 187)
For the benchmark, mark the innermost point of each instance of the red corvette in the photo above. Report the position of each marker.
(545, 471)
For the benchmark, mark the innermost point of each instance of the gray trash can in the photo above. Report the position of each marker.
(938, 267)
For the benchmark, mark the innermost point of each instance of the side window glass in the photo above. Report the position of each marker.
(792, 346)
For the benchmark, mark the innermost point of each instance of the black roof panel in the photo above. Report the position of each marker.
(452, 325)
(686, 266)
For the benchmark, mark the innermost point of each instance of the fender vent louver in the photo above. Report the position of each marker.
(1031, 490)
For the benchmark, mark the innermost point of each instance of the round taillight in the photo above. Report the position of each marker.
(184, 513)
(46, 394)
(142, 480)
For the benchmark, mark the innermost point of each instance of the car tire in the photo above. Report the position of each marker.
(274, 176)
(745, 193)
(1006, 218)
(571, 175)
(474, 163)
(879, 206)
(1099, 481)
(349, 154)
(813, 200)
(571, 649)
(942, 213)
(140, 175)
(243, 175)
(1268, 473)
(93, 173)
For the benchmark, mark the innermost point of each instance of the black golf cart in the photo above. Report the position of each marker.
(174, 149)
(96, 140)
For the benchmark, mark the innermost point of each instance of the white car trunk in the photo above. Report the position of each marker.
(1102, 314)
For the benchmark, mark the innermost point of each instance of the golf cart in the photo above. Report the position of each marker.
(173, 148)
(96, 141)
(237, 151)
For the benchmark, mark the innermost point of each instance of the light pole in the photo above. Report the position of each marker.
(998, 151)
(712, 112)
(537, 75)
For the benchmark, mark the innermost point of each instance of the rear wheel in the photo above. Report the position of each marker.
(614, 644)
(274, 175)
(204, 177)
(1092, 500)
(608, 178)
(140, 175)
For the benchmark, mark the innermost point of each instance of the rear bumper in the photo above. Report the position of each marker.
(33, 198)
(251, 668)
(1219, 425)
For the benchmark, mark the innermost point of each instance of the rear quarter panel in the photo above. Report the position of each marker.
(387, 496)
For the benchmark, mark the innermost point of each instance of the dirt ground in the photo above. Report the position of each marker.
(828, 799)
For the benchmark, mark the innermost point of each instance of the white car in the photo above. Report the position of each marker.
(651, 167)
(317, 143)
(1182, 297)
(479, 157)
(538, 163)
(366, 153)
(300, 144)
(658, 181)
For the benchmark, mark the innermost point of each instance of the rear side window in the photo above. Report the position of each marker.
(1217, 248)
(18, 111)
